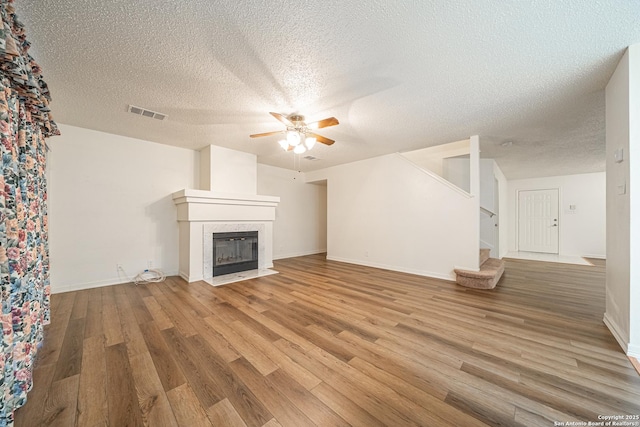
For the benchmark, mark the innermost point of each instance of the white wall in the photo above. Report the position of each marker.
(583, 232)
(433, 158)
(634, 206)
(456, 171)
(206, 178)
(489, 199)
(110, 203)
(623, 202)
(300, 227)
(386, 212)
(618, 225)
(227, 171)
(503, 211)
(487, 185)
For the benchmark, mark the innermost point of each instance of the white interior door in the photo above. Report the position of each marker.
(538, 221)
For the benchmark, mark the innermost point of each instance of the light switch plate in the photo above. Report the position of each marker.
(618, 155)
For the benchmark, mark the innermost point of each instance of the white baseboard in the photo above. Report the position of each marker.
(594, 256)
(425, 273)
(297, 254)
(616, 332)
(191, 279)
(184, 276)
(457, 267)
(82, 286)
(634, 351)
(58, 289)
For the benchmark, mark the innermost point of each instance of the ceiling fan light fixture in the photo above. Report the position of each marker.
(293, 138)
(298, 135)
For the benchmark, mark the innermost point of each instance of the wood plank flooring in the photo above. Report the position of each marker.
(332, 344)
(635, 363)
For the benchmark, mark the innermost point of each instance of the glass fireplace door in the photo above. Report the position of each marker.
(235, 252)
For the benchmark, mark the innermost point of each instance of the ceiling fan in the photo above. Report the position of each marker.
(298, 134)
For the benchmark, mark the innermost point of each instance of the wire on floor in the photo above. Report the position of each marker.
(149, 276)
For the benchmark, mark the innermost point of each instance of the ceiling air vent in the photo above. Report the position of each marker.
(147, 113)
(311, 158)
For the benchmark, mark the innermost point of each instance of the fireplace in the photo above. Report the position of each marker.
(234, 252)
(204, 213)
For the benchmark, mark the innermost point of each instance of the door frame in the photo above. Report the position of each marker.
(517, 214)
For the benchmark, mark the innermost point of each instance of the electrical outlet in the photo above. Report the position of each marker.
(150, 264)
(118, 267)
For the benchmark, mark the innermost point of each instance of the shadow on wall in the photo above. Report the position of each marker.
(163, 234)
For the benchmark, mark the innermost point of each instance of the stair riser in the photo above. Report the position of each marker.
(486, 278)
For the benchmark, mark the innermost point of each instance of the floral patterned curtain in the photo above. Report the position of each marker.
(24, 258)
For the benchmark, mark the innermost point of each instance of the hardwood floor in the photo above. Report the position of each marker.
(330, 344)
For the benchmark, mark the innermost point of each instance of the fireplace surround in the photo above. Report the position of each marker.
(202, 213)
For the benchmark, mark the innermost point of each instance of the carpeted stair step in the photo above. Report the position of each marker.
(490, 272)
(484, 255)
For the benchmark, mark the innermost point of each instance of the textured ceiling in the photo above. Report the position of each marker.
(399, 75)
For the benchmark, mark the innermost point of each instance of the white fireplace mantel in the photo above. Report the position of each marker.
(201, 213)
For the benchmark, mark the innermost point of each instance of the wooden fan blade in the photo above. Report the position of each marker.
(331, 121)
(258, 135)
(321, 138)
(282, 118)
